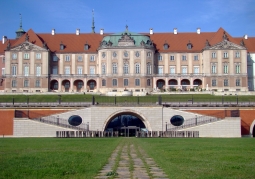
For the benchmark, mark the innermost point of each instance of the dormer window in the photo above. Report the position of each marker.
(166, 46)
(86, 46)
(189, 45)
(62, 46)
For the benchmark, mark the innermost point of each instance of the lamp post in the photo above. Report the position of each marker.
(162, 116)
(237, 99)
(59, 99)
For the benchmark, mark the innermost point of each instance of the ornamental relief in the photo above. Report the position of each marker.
(226, 45)
(27, 46)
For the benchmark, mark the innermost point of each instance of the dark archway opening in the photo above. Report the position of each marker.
(126, 124)
(160, 84)
(54, 85)
(253, 131)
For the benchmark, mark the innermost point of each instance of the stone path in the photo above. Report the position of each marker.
(131, 162)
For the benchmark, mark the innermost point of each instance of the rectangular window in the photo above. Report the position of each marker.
(137, 82)
(67, 58)
(26, 83)
(79, 58)
(26, 56)
(37, 83)
(67, 70)
(26, 70)
(237, 54)
(92, 70)
(114, 82)
(172, 69)
(184, 70)
(79, 70)
(160, 58)
(148, 82)
(172, 58)
(225, 68)
(184, 57)
(125, 82)
(38, 71)
(103, 82)
(14, 56)
(148, 54)
(55, 58)
(160, 70)
(196, 69)
(214, 68)
(225, 55)
(38, 56)
(237, 82)
(14, 70)
(14, 83)
(3, 71)
(103, 69)
(55, 70)
(225, 82)
(214, 82)
(238, 68)
(92, 58)
(196, 57)
(214, 55)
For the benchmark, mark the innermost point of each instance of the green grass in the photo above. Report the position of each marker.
(54, 158)
(122, 99)
(202, 157)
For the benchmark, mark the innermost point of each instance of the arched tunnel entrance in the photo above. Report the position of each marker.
(126, 124)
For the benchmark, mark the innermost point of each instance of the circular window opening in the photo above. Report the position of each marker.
(75, 120)
(177, 120)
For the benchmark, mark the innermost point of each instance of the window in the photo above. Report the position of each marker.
(214, 68)
(137, 68)
(55, 70)
(125, 82)
(103, 69)
(114, 82)
(26, 83)
(225, 55)
(92, 70)
(225, 82)
(114, 68)
(38, 71)
(14, 56)
(184, 57)
(114, 54)
(172, 69)
(237, 82)
(55, 58)
(14, 83)
(79, 58)
(26, 70)
(38, 56)
(137, 54)
(196, 69)
(125, 54)
(103, 54)
(67, 85)
(148, 82)
(86, 46)
(225, 68)
(79, 70)
(214, 82)
(237, 54)
(92, 58)
(14, 70)
(80, 85)
(172, 58)
(148, 54)
(195, 57)
(214, 55)
(189, 46)
(238, 68)
(184, 70)
(137, 82)
(26, 56)
(37, 83)
(67, 58)
(103, 82)
(148, 69)
(125, 68)
(160, 70)
(3, 71)
(159, 57)
(67, 70)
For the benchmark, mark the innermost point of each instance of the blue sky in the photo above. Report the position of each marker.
(237, 17)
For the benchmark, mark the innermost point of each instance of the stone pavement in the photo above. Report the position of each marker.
(131, 162)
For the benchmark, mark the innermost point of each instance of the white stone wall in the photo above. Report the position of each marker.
(228, 127)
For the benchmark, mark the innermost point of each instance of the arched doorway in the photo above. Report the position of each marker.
(78, 85)
(66, 85)
(54, 85)
(160, 84)
(253, 131)
(91, 84)
(185, 83)
(197, 82)
(126, 123)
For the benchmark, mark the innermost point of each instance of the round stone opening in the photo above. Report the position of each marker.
(177, 120)
(75, 120)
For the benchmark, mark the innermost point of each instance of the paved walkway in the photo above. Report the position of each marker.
(131, 162)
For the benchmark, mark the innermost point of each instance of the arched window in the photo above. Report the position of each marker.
(114, 68)
(125, 68)
(103, 68)
(148, 68)
(137, 68)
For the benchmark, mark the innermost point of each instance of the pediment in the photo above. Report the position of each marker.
(226, 45)
(27, 46)
(126, 40)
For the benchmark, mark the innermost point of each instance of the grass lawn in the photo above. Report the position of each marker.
(54, 158)
(202, 157)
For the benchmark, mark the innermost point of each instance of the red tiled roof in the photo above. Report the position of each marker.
(3, 46)
(249, 43)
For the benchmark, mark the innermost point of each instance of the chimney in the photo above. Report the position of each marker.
(53, 32)
(175, 31)
(77, 31)
(4, 39)
(246, 36)
(198, 30)
(101, 31)
(151, 31)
